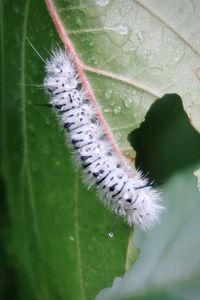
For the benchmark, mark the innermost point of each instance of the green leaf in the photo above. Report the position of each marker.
(59, 229)
(131, 54)
(169, 262)
(143, 50)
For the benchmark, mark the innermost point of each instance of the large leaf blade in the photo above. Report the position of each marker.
(125, 85)
(57, 226)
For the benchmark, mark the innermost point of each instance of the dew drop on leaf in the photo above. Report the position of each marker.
(122, 29)
(128, 103)
(106, 110)
(117, 109)
(108, 94)
(110, 234)
(140, 36)
(102, 2)
(78, 21)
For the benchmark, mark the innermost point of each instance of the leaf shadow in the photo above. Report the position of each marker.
(165, 142)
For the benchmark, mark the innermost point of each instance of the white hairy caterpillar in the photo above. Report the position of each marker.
(129, 196)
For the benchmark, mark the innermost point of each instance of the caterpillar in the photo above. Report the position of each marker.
(128, 195)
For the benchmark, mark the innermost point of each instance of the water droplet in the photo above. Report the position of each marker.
(91, 43)
(117, 109)
(106, 110)
(108, 94)
(177, 54)
(128, 103)
(95, 60)
(134, 92)
(123, 11)
(122, 29)
(71, 238)
(51, 33)
(78, 21)
(102, 2)
(130, 22)
(47, 121)
(110, 234)
(118, 135)
(57, 163)
(140, 36)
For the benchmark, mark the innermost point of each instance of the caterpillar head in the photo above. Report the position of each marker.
(60, 64)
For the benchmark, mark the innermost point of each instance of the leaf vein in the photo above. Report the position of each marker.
(165, 22)
(120, 78)
(77, 239)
